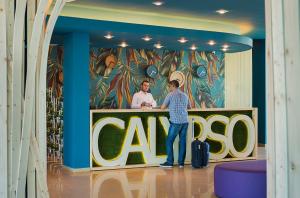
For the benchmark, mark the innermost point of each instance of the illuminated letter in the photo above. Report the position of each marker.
(135, 125)
(251, 136)
(152, 141)
(97, 129)
(165, 123)
(218, 137)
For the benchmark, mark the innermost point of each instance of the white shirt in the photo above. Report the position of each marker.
(140, 97)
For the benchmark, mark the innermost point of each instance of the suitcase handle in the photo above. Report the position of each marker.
(193, 129)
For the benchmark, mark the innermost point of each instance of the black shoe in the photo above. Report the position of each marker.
(166, 165)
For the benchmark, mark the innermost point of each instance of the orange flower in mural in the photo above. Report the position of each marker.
(104, 63)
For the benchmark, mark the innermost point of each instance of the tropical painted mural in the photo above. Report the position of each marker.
(116, 75)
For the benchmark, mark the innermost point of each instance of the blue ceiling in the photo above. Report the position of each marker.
(132, 34)
(249, 12)
(242, 13)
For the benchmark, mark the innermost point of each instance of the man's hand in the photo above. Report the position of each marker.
(163, 106)
(145, 104)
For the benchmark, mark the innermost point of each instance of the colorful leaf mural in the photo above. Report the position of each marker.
(116, 88)
(55, 70)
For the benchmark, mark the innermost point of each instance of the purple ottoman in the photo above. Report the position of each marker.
(243, 179)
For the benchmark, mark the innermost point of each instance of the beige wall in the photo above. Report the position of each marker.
(238, 79)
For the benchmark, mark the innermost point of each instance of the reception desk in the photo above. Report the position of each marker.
(136, 138)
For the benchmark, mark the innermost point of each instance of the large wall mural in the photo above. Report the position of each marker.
(116, 75)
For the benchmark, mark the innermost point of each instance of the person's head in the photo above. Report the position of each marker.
(173, 85)
(145, 85)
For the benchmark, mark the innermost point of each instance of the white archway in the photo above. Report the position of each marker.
(23, 112)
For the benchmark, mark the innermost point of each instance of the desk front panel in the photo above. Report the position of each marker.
(136, 138)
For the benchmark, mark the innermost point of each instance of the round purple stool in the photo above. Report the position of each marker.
(243, 179)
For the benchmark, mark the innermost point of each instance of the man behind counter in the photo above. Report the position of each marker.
(143, 99)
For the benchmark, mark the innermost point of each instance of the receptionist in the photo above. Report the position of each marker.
(143, 99)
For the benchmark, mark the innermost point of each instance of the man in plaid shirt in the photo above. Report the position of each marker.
(178, 103)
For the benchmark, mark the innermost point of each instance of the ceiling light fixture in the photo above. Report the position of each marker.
(109, 36)
(222, 11)
(182, 40)
(211, 42)
(224, 49)
(193, 47)
(225, 46)
(158, 3)
(146, 38)
(158, 45)
(123, 44)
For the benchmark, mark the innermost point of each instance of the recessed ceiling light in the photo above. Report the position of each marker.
(146, 38)
(108, 36)
(225, 46)
(224, 49)
(222, 11)
(158, 45)
(211, 42)
(182, 40)
(193, 47)
(123, 44)
(158, 3)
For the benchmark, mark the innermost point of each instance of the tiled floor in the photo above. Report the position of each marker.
(132, 183)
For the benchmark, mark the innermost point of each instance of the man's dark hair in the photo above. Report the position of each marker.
(144, 81)
(174, 83)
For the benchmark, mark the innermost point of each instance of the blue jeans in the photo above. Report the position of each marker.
(174, 130)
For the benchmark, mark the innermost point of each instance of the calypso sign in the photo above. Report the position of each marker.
(148, 146)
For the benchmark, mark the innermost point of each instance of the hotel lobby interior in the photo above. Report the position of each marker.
(149, 98)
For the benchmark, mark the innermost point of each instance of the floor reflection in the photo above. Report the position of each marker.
(153, 182)
(132, 183)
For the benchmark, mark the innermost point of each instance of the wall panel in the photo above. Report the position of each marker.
(238, 80)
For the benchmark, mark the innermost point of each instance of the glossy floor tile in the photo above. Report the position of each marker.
(133, 183)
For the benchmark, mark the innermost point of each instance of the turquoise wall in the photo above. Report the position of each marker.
(76, 101)
(259, 86)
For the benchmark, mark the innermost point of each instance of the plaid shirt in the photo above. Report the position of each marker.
(178, 103)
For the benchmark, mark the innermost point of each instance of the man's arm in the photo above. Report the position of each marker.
(134, 103)
(166, 102)
(153, 103)
(163, 106)
(189, 104)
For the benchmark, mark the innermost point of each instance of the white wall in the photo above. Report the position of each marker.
(238, 79)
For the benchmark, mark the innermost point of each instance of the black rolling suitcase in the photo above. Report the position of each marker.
(200, 152)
